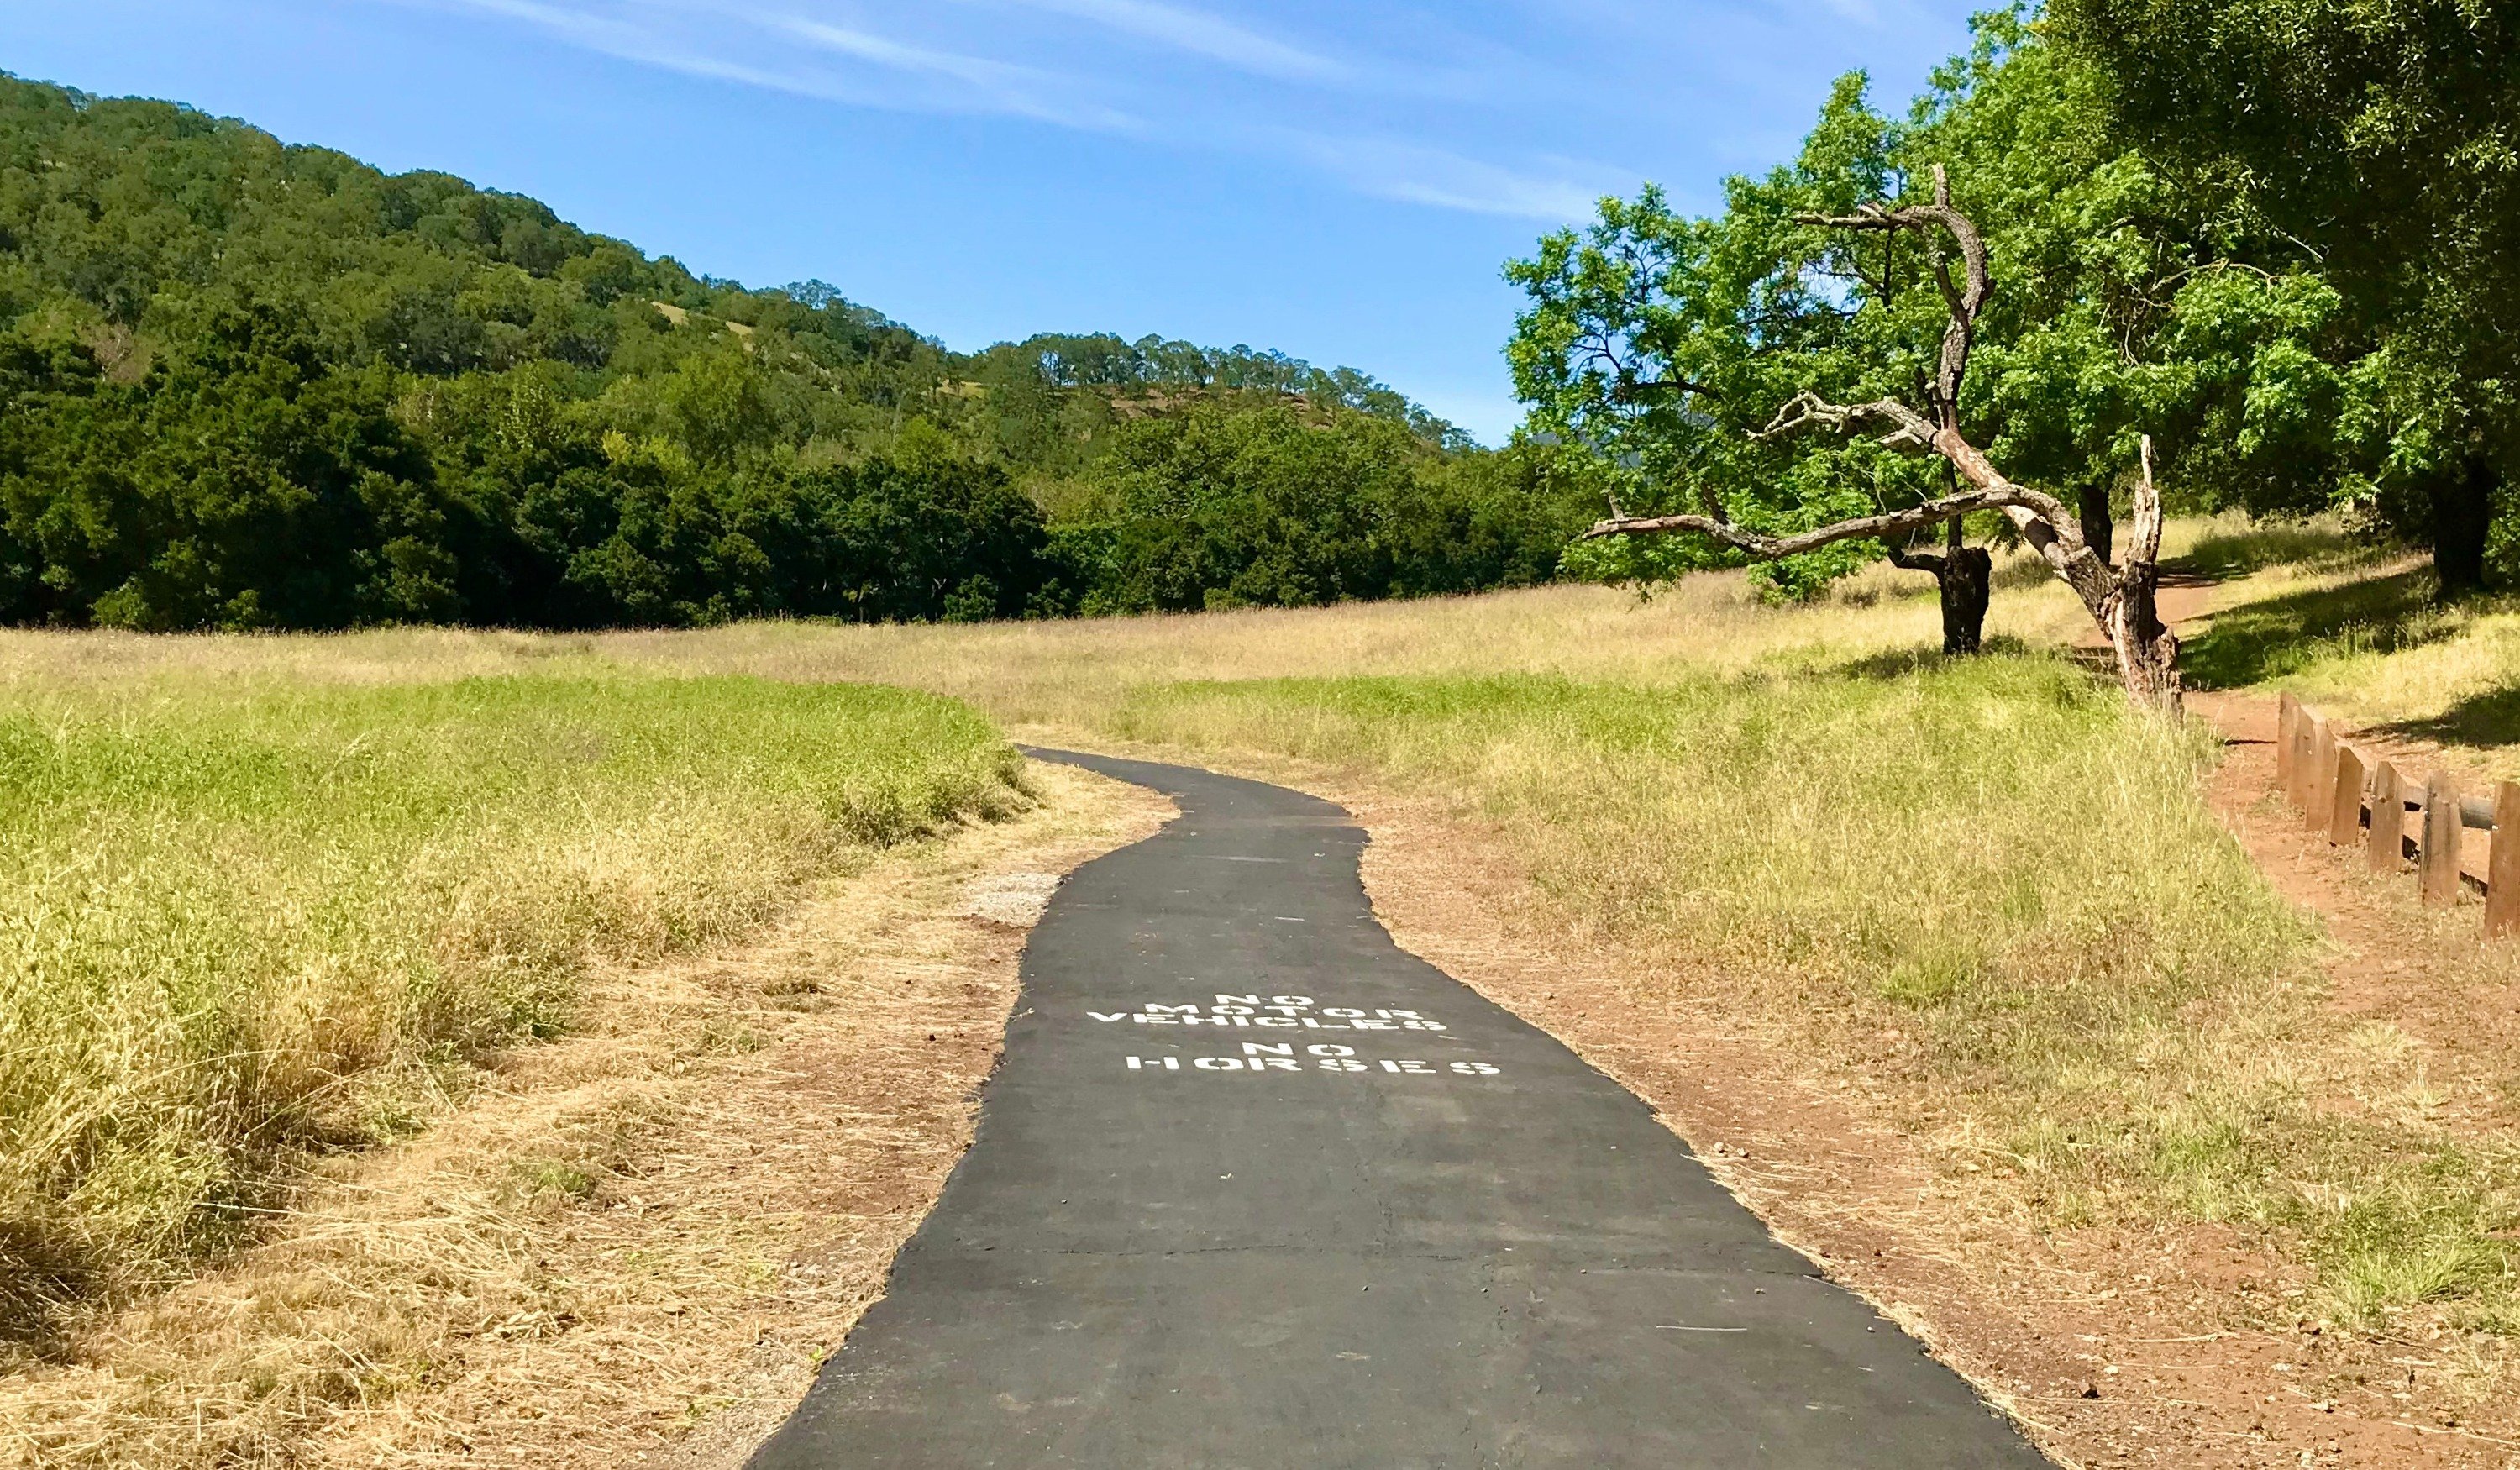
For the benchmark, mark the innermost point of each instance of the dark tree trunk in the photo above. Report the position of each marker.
(2098, 530)
(1967, 585)
(1963, 577)
(2462, 513)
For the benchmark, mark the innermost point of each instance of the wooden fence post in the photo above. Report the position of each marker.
(2388, 838)
(2503, 869)
(2321, 787)
(2442, 833)
(2345, 806)
(2304, 733)
(2287, 721)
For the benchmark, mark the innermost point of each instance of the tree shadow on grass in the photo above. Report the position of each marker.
(2020, 572)
(2491, 718)
(2223, 554)
(1920, 658)
(2256, 642)
(38, 1282)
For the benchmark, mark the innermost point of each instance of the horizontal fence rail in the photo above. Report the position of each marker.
(2360, 800)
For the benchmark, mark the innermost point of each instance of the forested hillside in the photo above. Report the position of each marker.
(245, 385)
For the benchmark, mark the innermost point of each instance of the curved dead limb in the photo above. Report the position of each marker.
(1910, 432)
(1932, 512)
(1965, 301)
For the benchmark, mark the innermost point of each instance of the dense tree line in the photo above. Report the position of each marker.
(243, 385)
(2276, 238)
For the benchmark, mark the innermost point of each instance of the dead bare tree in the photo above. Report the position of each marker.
(2121, 599)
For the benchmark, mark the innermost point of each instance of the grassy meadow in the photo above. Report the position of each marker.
(275, 892)
(2359, 634)
(1807, 811)
(253, 914)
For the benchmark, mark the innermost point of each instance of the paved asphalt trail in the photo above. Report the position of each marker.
(1352, 1215)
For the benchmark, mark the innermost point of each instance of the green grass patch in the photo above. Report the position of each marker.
(247, 919)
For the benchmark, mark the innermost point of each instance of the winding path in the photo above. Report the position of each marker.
(1255, 1187)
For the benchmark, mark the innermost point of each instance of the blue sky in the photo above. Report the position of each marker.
(1340, 181)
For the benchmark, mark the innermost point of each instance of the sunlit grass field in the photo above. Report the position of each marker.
(379, 850)
(1847, 836)
(246, 914)
(2364, 636)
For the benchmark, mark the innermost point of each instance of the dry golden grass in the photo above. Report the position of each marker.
(640, 1237)
(255, 916)
(1071, 674)
(1986, 902)
(1075, 666)
(2104, 1013)
(2359, 633)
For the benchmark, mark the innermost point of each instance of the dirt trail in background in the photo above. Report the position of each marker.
(2394, 962)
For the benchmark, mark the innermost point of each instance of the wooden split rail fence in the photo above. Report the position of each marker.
(2359, 800)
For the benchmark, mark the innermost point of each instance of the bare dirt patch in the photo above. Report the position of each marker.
(638, 1242)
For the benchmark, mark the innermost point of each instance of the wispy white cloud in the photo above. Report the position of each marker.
(1003, 86)
(1201, 35)
(823, 49)
(707, 38)
(1555, 190)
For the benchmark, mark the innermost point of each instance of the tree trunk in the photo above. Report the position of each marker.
(2099, 532)
(2147, 653)
(2463, 513)
(1963, 580)
(1968, 586)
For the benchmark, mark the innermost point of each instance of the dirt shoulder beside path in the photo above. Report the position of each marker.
(633, 1244)
(2173, 1345)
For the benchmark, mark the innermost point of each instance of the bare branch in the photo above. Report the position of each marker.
(1964, 300)
(2051, 530)
(1910, 432)
(1714, 504)
(1771, 547)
